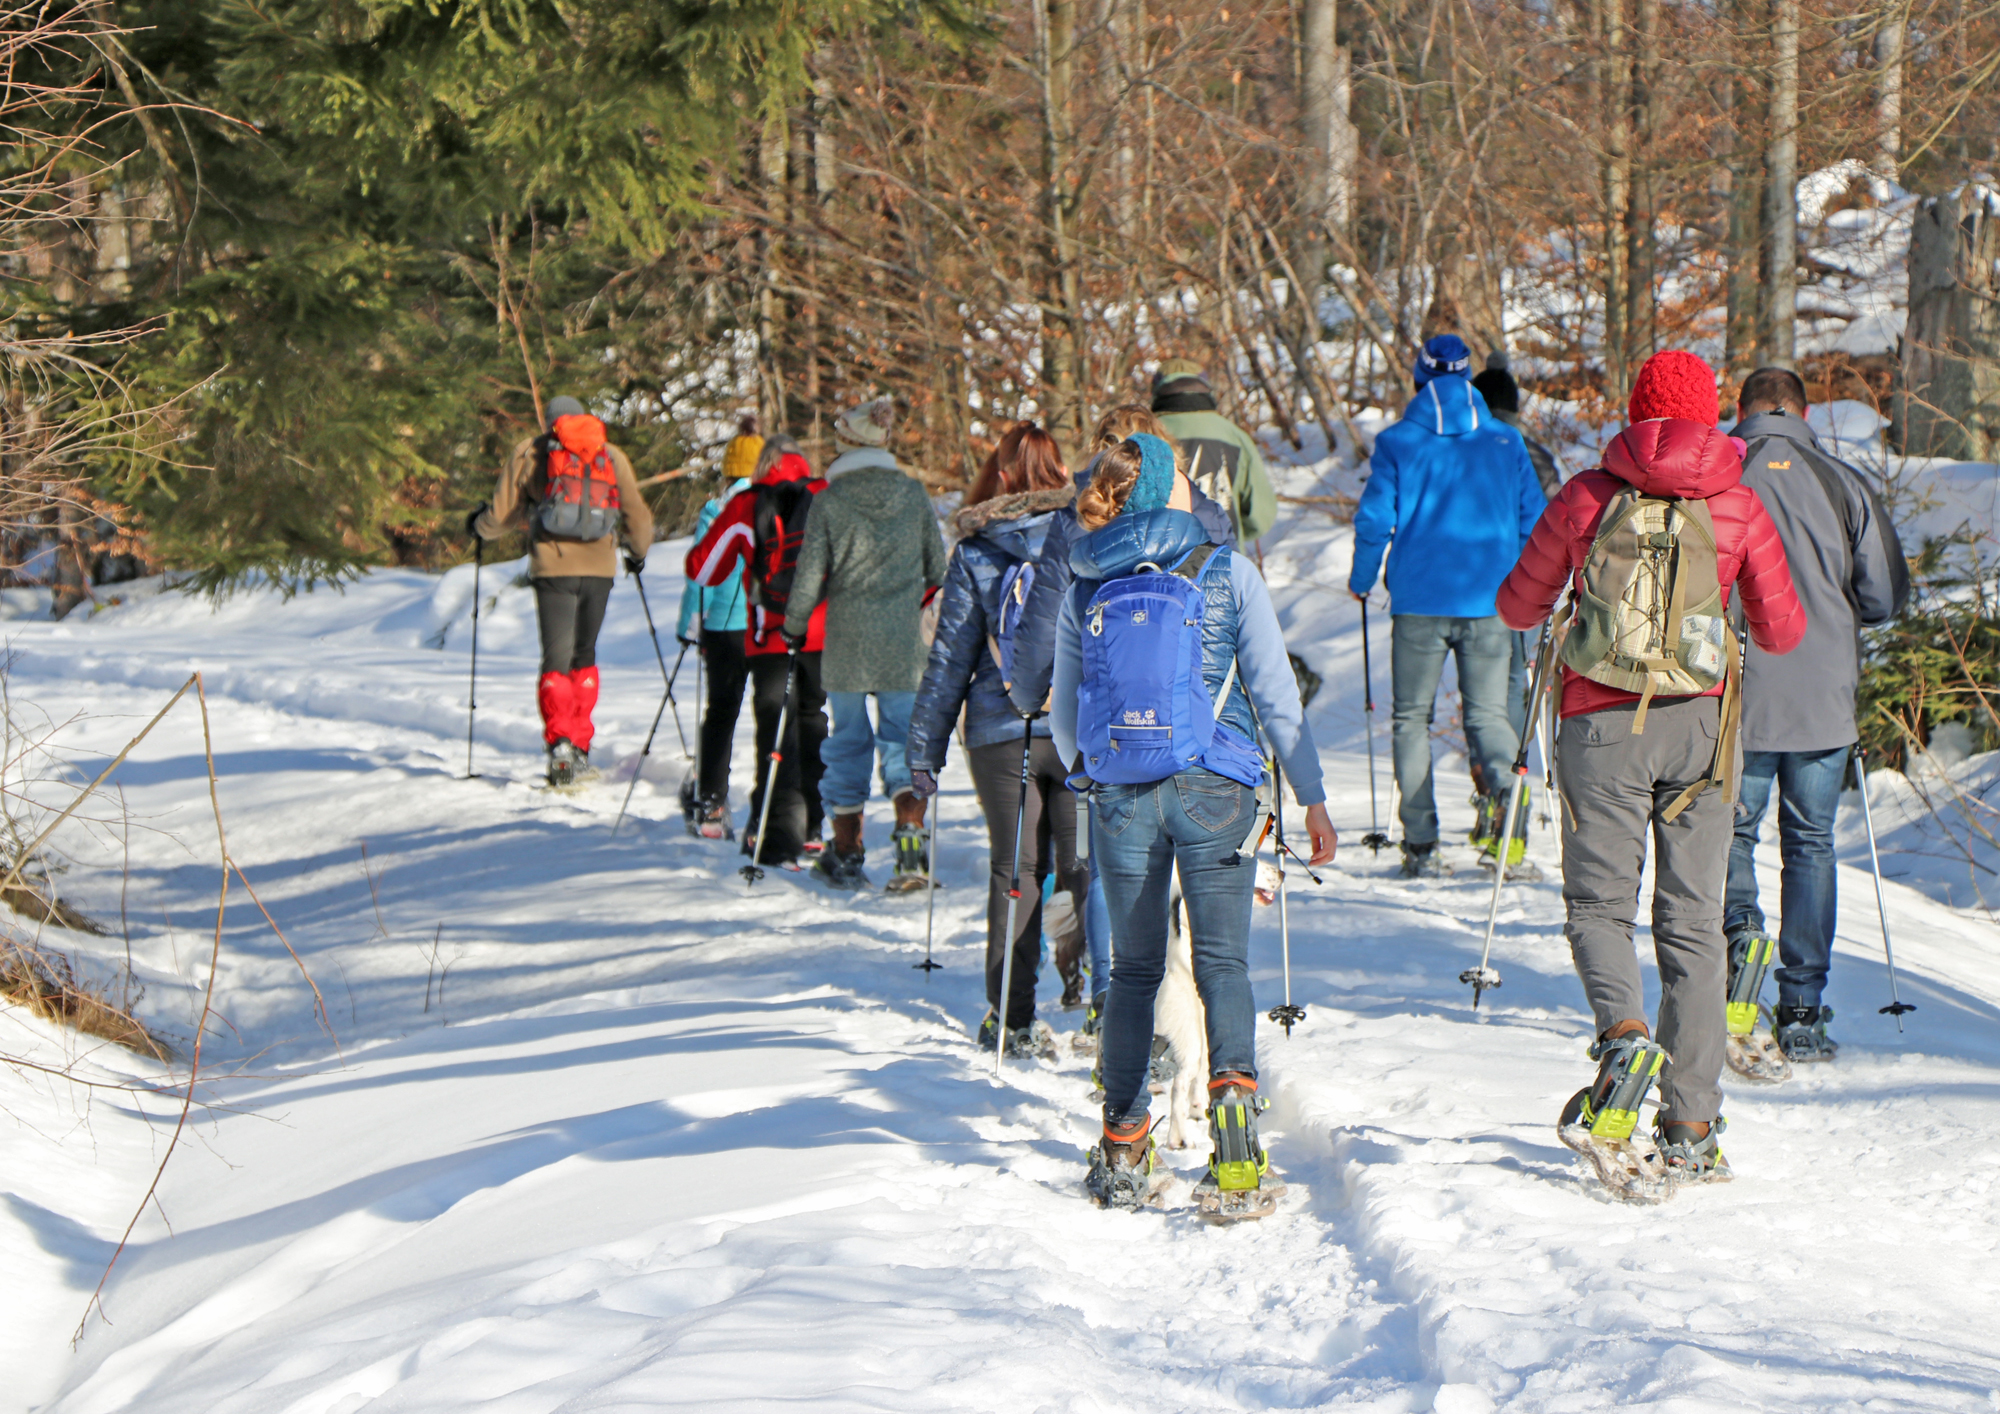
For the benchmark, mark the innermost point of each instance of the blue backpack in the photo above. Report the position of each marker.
(1144, 712)
(1014, 587)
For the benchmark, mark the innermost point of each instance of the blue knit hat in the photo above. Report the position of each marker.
(1446, 353)
(1155, 484)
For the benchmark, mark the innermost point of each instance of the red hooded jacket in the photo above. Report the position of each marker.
(1669, 456)
(731, 541)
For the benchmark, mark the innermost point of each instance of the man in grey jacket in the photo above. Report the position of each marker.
(872, 551)
(1798, 710)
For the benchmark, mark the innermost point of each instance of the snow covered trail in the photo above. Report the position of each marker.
(655, 1139)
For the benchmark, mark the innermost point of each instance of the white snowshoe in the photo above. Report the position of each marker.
(1601, 1121)
(1119, 1179)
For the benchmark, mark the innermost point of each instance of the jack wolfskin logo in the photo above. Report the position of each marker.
(1785, 465)
(1146, 718)
(1138, 616)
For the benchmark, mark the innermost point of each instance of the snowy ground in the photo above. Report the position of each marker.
(660, 1140)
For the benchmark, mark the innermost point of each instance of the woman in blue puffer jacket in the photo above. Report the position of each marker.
(1007, 513)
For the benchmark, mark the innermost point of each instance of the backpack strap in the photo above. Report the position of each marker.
(1722, 770)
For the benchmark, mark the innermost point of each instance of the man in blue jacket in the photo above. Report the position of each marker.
(1451, 497)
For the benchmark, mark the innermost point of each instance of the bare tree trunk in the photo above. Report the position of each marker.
(1613, 90)
(1781, 204)
(1640, 322)
(1743, 238)
(771, 165)
(1114, 73)
(1889, 92)
(1329, 136)
(1061, 296)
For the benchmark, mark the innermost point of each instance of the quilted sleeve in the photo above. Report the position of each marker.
(955, 654)
(1535, 583)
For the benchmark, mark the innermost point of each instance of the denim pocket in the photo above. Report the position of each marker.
(1212, 802)
(1113, 807)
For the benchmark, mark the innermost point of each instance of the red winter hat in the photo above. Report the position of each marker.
(1674, 383)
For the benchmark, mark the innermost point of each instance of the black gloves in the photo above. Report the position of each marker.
(634, 564)
(795, 642)
(472, 520)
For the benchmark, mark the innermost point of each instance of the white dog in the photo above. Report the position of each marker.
(1179, 1016)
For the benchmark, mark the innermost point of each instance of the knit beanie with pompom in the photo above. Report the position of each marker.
(1674, 383)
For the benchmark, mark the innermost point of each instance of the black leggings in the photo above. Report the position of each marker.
(796, 812)
(570, 609)
(1048, 845)
(728, 670)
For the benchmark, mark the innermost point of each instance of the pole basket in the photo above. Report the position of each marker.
(1288, 1015)
(926, 966)
(1896, 1009)
(1376, 841)
(1481, 980)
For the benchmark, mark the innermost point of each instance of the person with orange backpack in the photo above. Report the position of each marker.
(576, 497)
(761, 528)
(1653, 539)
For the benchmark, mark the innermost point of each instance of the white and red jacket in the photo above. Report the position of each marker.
(732, 541)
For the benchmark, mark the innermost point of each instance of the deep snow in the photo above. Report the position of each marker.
(661, 1140)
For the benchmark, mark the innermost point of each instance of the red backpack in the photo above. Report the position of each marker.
(578, 483)
(779, 524)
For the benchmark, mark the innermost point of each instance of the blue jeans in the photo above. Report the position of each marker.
(854, 743)
(1097, 933)
(1484, 651)
(1809, 793)
(1197, 820)
(1517, 681)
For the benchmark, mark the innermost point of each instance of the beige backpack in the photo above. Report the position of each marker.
(1648, 617)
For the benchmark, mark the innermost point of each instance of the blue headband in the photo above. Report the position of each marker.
(1155, 485)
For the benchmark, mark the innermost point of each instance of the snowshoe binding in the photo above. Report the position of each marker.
(1600, 1120)
(1752, 1056)
(1239, 1185)
(840, 871)
(1421, 861)
(1123, 1173)
(1691, 1153)
(1486, 833)
(1801, 1033)
(912, 871)
(1084, 1041)
(1035, 1041)
(1161, 1067)
(569, 769)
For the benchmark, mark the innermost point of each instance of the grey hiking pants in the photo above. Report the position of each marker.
(1614, 785)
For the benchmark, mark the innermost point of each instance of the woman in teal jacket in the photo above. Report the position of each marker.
(712, 622)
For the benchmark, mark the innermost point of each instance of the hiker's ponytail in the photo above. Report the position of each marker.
(1110, 486)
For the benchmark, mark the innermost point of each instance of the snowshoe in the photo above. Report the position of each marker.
(1161, 1067)
(912, 865)
(1238, 1186)
(1801, 1033)
(1599, 1121)
(1752, 1056)
(1519, 868)
(1486, 809)
(1421, 861)
(562, 764)
(1690, 1157)
(840, 871)
(1035, 1041)
(1084, 1041)
(1123, 1173)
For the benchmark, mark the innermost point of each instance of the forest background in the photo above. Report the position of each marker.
(286, 278)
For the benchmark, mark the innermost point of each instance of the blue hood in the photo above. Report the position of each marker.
(1449, 406)
(1162, 537)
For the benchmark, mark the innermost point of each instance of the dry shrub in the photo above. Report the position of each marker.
(46, 984)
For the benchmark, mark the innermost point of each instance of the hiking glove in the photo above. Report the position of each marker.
(472, 521)
(794, 641)
(923, 784)
(635, 564)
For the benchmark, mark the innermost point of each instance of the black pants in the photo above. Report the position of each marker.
(1048, 843)
(796, 813)
(570, 610)
(722, 658)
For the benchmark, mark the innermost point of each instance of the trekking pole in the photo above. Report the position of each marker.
(472, 683)
(1897, 1006)
(1374, 839)
(1286, 1015)
(1013, 896)
(927, 967)
(640, 769)
(753, 871)
(1483, 978)
(665, 676)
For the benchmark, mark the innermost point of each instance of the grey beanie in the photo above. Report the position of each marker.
(564, 406)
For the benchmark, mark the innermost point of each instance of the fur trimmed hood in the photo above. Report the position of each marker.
(970, 520)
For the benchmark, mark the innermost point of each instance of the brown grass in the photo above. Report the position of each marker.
(46, 984)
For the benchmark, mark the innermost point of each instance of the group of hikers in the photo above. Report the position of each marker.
(1102, 644)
